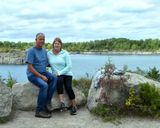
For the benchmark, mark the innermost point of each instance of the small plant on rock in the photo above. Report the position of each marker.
(10, 81)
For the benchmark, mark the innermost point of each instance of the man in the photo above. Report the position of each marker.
(36, 60)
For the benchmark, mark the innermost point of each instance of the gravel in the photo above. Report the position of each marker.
(83, 119)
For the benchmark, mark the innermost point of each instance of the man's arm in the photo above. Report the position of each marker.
(33, 70)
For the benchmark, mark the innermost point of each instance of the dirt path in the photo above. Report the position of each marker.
(83, 119)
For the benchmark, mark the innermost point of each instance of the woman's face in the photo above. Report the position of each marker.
(57, 46)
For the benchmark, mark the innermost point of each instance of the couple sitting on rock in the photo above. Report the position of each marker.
(37, 60)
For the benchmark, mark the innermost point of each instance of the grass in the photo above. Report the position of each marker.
(4, 119)
(82, 84)
(9, 81)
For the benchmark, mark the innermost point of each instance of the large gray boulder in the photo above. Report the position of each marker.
(5, 100)
(111, 94)
(25, 97)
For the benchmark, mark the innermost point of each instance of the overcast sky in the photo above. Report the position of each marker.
(79, 20)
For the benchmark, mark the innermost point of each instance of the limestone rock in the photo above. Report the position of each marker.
(25, 97)
(5, 100)
(115, 95)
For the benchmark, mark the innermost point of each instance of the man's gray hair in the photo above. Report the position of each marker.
(40, 34)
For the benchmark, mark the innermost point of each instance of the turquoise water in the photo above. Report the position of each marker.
(84, 65)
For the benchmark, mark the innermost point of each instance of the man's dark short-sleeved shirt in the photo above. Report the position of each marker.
(38, 58)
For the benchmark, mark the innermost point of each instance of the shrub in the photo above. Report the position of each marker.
(149, 96)
(131, 101)
(4, 119)
(154, 73)
(107, 113)
(109, 68)
(146, 102)
(82, 84)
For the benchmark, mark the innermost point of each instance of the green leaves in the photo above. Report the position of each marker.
(154, 73)
(146, 102)
(9, 81)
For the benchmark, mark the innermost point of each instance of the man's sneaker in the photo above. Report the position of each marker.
(62, 106)
(49, 107)
(42, 115)
(73, 111)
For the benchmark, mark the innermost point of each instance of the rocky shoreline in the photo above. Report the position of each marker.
(18, 57)
(117, 53)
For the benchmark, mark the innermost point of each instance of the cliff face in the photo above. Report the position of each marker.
(17, 57)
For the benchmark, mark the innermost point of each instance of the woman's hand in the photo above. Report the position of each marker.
(58, 74)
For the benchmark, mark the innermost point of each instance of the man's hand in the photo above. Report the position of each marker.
(44, 78)
(33, 70)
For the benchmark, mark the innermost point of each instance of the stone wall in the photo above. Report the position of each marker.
(17, 57)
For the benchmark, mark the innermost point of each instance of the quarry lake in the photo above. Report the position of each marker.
(87, 65)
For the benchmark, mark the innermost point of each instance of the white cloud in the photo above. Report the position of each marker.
(79, 20)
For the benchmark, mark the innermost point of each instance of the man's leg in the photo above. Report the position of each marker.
(52, 81)
(42, 96)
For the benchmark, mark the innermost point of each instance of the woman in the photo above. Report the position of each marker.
(61, 66)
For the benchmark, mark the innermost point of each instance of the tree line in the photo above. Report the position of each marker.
(105, 45)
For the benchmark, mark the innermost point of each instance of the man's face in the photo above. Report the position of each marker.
(40, 40)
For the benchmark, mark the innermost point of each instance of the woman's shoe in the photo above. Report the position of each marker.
(62, 106)
(73, 111)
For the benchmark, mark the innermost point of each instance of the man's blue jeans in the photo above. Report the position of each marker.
(46, 89)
